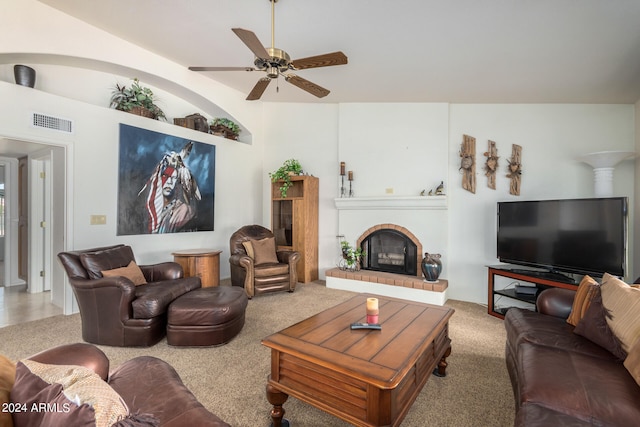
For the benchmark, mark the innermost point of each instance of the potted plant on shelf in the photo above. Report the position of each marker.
(289, 168)
(225, 127)
(351, 257)
(136, 99)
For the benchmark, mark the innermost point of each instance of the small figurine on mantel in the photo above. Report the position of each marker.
(439, 191)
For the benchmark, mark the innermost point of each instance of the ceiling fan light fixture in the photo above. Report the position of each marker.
(275, 62)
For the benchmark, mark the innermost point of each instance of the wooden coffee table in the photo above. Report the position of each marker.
(365, 377)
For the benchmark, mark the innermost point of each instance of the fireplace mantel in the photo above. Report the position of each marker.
(391, 202)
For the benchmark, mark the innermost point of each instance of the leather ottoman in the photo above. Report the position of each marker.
(206, 316)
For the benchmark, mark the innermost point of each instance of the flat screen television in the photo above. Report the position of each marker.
(578, 236)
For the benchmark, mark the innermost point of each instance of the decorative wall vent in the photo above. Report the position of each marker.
(49, 122)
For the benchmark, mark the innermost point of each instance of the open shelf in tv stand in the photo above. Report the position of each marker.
(505, 271)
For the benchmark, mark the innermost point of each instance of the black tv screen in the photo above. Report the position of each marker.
(579, 236)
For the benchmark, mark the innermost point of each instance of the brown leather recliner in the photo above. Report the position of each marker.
(113, 310)
(257, 277)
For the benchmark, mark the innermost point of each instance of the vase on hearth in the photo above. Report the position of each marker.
(431, 267)
(25, 76)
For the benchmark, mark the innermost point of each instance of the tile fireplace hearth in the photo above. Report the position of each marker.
(413, 288)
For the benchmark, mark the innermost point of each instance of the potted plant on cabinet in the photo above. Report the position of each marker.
(225, 127)
(136, 99)
(289, 168)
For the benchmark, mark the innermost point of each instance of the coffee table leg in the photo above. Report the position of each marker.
(277, 399)
(440, 370)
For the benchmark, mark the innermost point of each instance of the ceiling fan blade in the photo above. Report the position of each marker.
(258, 89)
(222, 69)
(306, 85)
(251, 40)
(326, 60)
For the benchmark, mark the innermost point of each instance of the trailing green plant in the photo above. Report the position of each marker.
(125, 98)
(231, 125)
(289, 167)
(351, 256)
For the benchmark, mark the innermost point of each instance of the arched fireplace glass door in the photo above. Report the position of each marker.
(390, 251)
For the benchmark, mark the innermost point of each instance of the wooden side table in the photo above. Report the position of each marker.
(202, 263)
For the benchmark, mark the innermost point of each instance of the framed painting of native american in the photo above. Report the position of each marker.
(166, 184)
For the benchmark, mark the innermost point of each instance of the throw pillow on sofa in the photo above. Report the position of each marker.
(57, 395)
(623, 302)
(594, 327)
(582, 300)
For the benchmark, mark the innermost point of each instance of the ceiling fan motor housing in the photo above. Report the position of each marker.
(278, 62)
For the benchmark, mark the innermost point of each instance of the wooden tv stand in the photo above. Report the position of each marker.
(509, 293)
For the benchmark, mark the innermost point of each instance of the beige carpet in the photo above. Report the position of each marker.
(230, 380)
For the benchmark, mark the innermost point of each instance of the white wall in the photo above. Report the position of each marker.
(412, 146)
(426, 147)
(552, 137)
(309, 133)
(92, 170)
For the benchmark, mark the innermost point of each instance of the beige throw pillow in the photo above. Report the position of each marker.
(248, 247)
(586, 290)
(131, 272)
(81, 385)
(623, 304)
(264, 251)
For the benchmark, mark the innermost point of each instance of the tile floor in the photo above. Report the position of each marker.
(19, 306)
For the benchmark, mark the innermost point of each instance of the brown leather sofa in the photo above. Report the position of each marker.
(150, 387)
(561, 378)
(261, 277)
(114, 310)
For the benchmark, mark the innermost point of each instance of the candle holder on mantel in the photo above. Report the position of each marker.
(350, 183)
(603, 163)
(343, 190)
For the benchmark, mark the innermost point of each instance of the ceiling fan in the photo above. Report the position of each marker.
(276, 62)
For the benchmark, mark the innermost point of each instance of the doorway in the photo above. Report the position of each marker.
(30, 164)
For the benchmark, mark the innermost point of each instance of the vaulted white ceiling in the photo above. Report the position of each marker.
(460, 51)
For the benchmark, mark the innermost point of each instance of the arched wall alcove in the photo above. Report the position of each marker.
(185, 90)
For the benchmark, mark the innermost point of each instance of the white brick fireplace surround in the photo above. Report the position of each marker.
(423, 216)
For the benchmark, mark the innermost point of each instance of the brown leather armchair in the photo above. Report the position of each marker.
(115, 311)
(263, 272)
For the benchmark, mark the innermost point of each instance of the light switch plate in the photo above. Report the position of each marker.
(98, 219)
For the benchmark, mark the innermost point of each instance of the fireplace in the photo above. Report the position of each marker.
(390, 248)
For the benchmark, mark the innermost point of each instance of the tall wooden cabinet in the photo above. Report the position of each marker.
(294, 222)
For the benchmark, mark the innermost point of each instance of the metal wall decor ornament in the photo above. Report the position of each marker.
(468, 163)
(166, 184)
(515, 169)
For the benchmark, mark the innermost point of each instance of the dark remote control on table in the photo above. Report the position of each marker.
(366, 326)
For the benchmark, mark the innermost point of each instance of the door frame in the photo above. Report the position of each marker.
(11, 222)
(40, 221)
